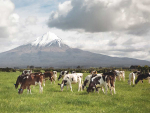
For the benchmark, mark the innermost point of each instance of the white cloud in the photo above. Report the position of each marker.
(102, 15)
(31, 20)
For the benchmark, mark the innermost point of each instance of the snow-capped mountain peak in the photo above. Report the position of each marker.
(47, 39)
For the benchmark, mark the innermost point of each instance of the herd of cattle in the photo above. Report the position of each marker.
(92, 82)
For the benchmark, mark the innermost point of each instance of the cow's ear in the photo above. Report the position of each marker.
(59, 84)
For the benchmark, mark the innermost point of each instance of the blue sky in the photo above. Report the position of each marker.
(119, 28)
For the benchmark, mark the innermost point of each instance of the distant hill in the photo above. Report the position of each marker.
(49, 51)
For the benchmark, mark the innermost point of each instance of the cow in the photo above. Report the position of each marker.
(55, 75)
(132, 77)
(49, 75)
(62, 74)
(120, 74)
(88, 79)
(142, 76)
(110, 79)
(19, 80)
(31, 79)
(97, 82)
(71, 79)
(27, 72)
(100, 81)
(79, 74)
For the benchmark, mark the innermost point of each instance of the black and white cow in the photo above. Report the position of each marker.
(142, 76)
(62, 74)
(107, 79)
(97, 82)
(132, 77)
(71, 79)
(88, 79)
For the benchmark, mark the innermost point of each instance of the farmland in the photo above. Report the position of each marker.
(128, 99)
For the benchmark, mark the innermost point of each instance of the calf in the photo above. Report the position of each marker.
(62, 74)
(31, 79)
(120, 74)
(55, 75)
(110, 79)
(71, 79)
(19, 80)
(49, 75)
(132, 77)
(141, 77)
(107, 79)
(88, 79)
(97, 82)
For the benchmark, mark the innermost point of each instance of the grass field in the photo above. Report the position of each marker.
(127, 100)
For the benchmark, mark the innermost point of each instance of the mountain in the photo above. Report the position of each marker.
(50, 51)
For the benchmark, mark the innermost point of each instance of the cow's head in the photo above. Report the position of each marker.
(84, 84)
(62, 84)
(61, 74)
(91, 87)
(20, 91)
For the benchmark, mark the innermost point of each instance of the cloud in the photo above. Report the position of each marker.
(102, 15)
(31, 20)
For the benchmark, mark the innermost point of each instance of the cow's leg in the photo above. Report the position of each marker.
(44, 82)
(133, 81)
(148, 79)
(70, 85)
(123, 78)
(30, 90)
(79, 85)
(103, 90)
(27, 90)
(106, 88)
(67, 87)
(41, 88)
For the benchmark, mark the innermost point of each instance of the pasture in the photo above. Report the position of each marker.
(127, 100)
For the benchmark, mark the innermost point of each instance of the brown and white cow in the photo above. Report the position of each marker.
(19, 80)
(49, 75)
(55, 75)
(31, 79)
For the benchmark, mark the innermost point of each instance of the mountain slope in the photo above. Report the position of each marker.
(50, 51)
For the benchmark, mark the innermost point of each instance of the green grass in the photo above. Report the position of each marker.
(128, 99)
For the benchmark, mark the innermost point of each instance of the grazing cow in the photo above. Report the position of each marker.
(62, 74)
(27, 72)
(97, 82)
(55, 75)
(141, 77)
(111, 77)
(132, 77)
(31, 79)
(120, 74)
(19, 80)
(107, 79)
(71, 79)
(88, 79)
(49, 75)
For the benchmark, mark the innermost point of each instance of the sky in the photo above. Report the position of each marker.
(118, 28)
